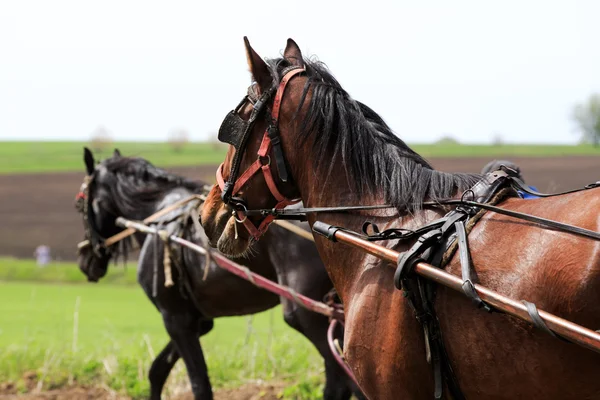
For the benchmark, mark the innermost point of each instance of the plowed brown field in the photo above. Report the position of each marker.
(38, 209)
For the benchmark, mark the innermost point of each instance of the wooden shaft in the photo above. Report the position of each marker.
(130, 231)
(242, 272)
(569, 330)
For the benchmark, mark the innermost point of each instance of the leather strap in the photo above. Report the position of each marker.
(537, 321)
(280, 91)
(269, 141)
(414, 255)
(272, 132)
(465, 266)
(300, 214)
(531, 218)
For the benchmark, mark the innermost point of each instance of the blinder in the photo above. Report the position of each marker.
(233, 127)
(236, 132)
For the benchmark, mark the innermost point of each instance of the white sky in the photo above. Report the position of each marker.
(471, 69)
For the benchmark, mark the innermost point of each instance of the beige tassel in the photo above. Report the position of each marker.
(164, 235)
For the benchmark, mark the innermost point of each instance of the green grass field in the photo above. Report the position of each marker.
(108, 333)
(36, 157)
(16, 270)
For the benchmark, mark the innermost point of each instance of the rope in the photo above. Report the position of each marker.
(338, 353)
(297, 300)
(155, 270)
(164, 236)
(295, 229)
(195, 217)
(248, 274)
(130, 231)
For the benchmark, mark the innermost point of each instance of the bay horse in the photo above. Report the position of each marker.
(134, 189)
(314, 142)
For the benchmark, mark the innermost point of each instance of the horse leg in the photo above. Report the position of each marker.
(338, 386)
(184, 330)
(164, 362)
(159, 371)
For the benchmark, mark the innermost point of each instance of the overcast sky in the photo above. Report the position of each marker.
(469, 69)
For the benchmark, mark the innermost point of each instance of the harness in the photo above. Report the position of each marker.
(175, 217)
(435, 242)
(92, 236)
(95, 239)
(235, 131)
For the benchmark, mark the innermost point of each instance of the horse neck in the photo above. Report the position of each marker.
(144, 210)
(346, 265)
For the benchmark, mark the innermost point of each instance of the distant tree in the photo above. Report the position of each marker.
(447, 140)
(497, 139)
(587, 117)
(178, 139)
(100, 139)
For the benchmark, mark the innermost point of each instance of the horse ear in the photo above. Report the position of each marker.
(116, 153)
(88, 159)
(258, 67)
(293, 54)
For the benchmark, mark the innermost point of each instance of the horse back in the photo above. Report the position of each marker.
(525, 258)
(557, 271)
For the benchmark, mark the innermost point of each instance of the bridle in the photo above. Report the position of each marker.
(236, 132)
(92, 236)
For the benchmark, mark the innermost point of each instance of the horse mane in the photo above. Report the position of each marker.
(374, 158)
(135, 186)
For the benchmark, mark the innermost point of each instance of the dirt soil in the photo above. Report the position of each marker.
(249, 391)
(38, 209)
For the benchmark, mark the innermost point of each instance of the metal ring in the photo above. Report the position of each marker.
(268, 160)
(234, 213)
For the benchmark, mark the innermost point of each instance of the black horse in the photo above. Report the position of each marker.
(134, 189)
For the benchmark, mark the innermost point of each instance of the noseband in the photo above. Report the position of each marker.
(236, 132)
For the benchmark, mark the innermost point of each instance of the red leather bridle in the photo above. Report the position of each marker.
(262, 163)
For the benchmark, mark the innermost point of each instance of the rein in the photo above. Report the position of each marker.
(560, 226)
(300, 214)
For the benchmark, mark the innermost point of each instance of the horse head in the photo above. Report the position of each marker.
(93, 203)
(259, 169)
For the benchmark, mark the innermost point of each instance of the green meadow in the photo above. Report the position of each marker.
(39, 157)
(108, 334)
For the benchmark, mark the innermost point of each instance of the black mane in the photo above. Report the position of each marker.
(134, 185)
(375, 159)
